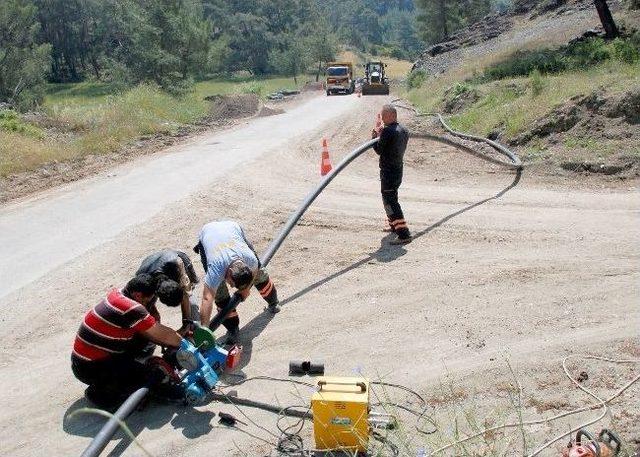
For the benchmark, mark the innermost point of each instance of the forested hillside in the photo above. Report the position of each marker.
(173, 43)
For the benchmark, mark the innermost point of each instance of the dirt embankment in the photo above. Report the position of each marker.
(609, 123)
(225, 111)
(528, 21)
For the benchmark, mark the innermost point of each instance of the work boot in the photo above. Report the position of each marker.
(103, 399)
(274, 308)
(401, 241)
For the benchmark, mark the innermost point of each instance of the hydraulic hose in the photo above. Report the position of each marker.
(293, 220)
(107, 431)
(260, 405)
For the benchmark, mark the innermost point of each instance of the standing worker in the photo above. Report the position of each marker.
(229, 258)
(175, 279)
(392, 142)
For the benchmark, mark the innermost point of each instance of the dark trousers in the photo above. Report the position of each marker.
(114, 378)
(390, 183)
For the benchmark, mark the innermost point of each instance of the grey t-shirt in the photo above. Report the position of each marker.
(223, 243)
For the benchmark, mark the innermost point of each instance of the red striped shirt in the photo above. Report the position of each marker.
(110, 327)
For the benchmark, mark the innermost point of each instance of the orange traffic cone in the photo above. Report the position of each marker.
(325, 164)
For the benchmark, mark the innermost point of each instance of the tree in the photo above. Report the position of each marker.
(439, 18)
(293, 59)
(23, 63)
(610, 28)
(322, 44)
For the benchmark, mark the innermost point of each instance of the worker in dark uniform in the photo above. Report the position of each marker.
(175, 279)
(229, 258)
(392, 142)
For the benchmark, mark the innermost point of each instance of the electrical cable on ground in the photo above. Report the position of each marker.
(602, 403)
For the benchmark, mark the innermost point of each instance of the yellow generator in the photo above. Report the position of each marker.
(341, 414)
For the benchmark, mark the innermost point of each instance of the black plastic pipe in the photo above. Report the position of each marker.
(109, 429)
(260, 405)
(293, 220)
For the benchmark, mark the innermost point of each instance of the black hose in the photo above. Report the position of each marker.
(285, 411)
(109, 429)
(293, 220)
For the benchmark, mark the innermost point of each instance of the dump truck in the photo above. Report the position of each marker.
(375, 80)
(339, 78)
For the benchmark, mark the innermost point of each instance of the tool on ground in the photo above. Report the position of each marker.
(203, 364)
(325, 163)
(375, 80)
(341, 414)
(300, 367)
(607, 445)
(229, 420)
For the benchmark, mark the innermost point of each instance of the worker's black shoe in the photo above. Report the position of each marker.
(274, 308)
(400, 241)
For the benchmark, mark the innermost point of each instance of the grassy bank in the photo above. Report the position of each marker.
(83, 119)
(512, 104)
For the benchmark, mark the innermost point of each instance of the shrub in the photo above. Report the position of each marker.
(625, 50)
(11, 122)
(586, 53)
(254, 87)
(522, 63)
(536, 82)
(416, 79)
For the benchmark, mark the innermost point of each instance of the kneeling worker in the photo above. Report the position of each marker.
(229, 258)
(112, 336)
(175, 279)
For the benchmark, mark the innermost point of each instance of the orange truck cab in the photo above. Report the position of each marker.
(339, 78)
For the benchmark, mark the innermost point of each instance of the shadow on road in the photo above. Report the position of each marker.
(388, 253)
(191, 422)
(196, 423)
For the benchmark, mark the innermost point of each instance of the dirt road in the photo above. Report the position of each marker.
(525, 269)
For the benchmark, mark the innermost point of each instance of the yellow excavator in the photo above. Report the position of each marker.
(375, 81)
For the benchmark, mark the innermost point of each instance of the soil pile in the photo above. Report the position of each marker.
(234, 106)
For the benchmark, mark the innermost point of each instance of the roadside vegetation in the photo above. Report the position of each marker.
(82, 119)
(505, 95)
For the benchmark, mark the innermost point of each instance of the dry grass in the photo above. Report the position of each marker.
(512, 105)
(88, 118)
(396, 69)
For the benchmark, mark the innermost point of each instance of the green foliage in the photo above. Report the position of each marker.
(577, 56)
(10, 121)
(292, 59)
(536, 82)
(380, 28)
(254, 87)
(627, 51)
(22, 61)
(416, 79)
(438, 19)
(459, 89)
